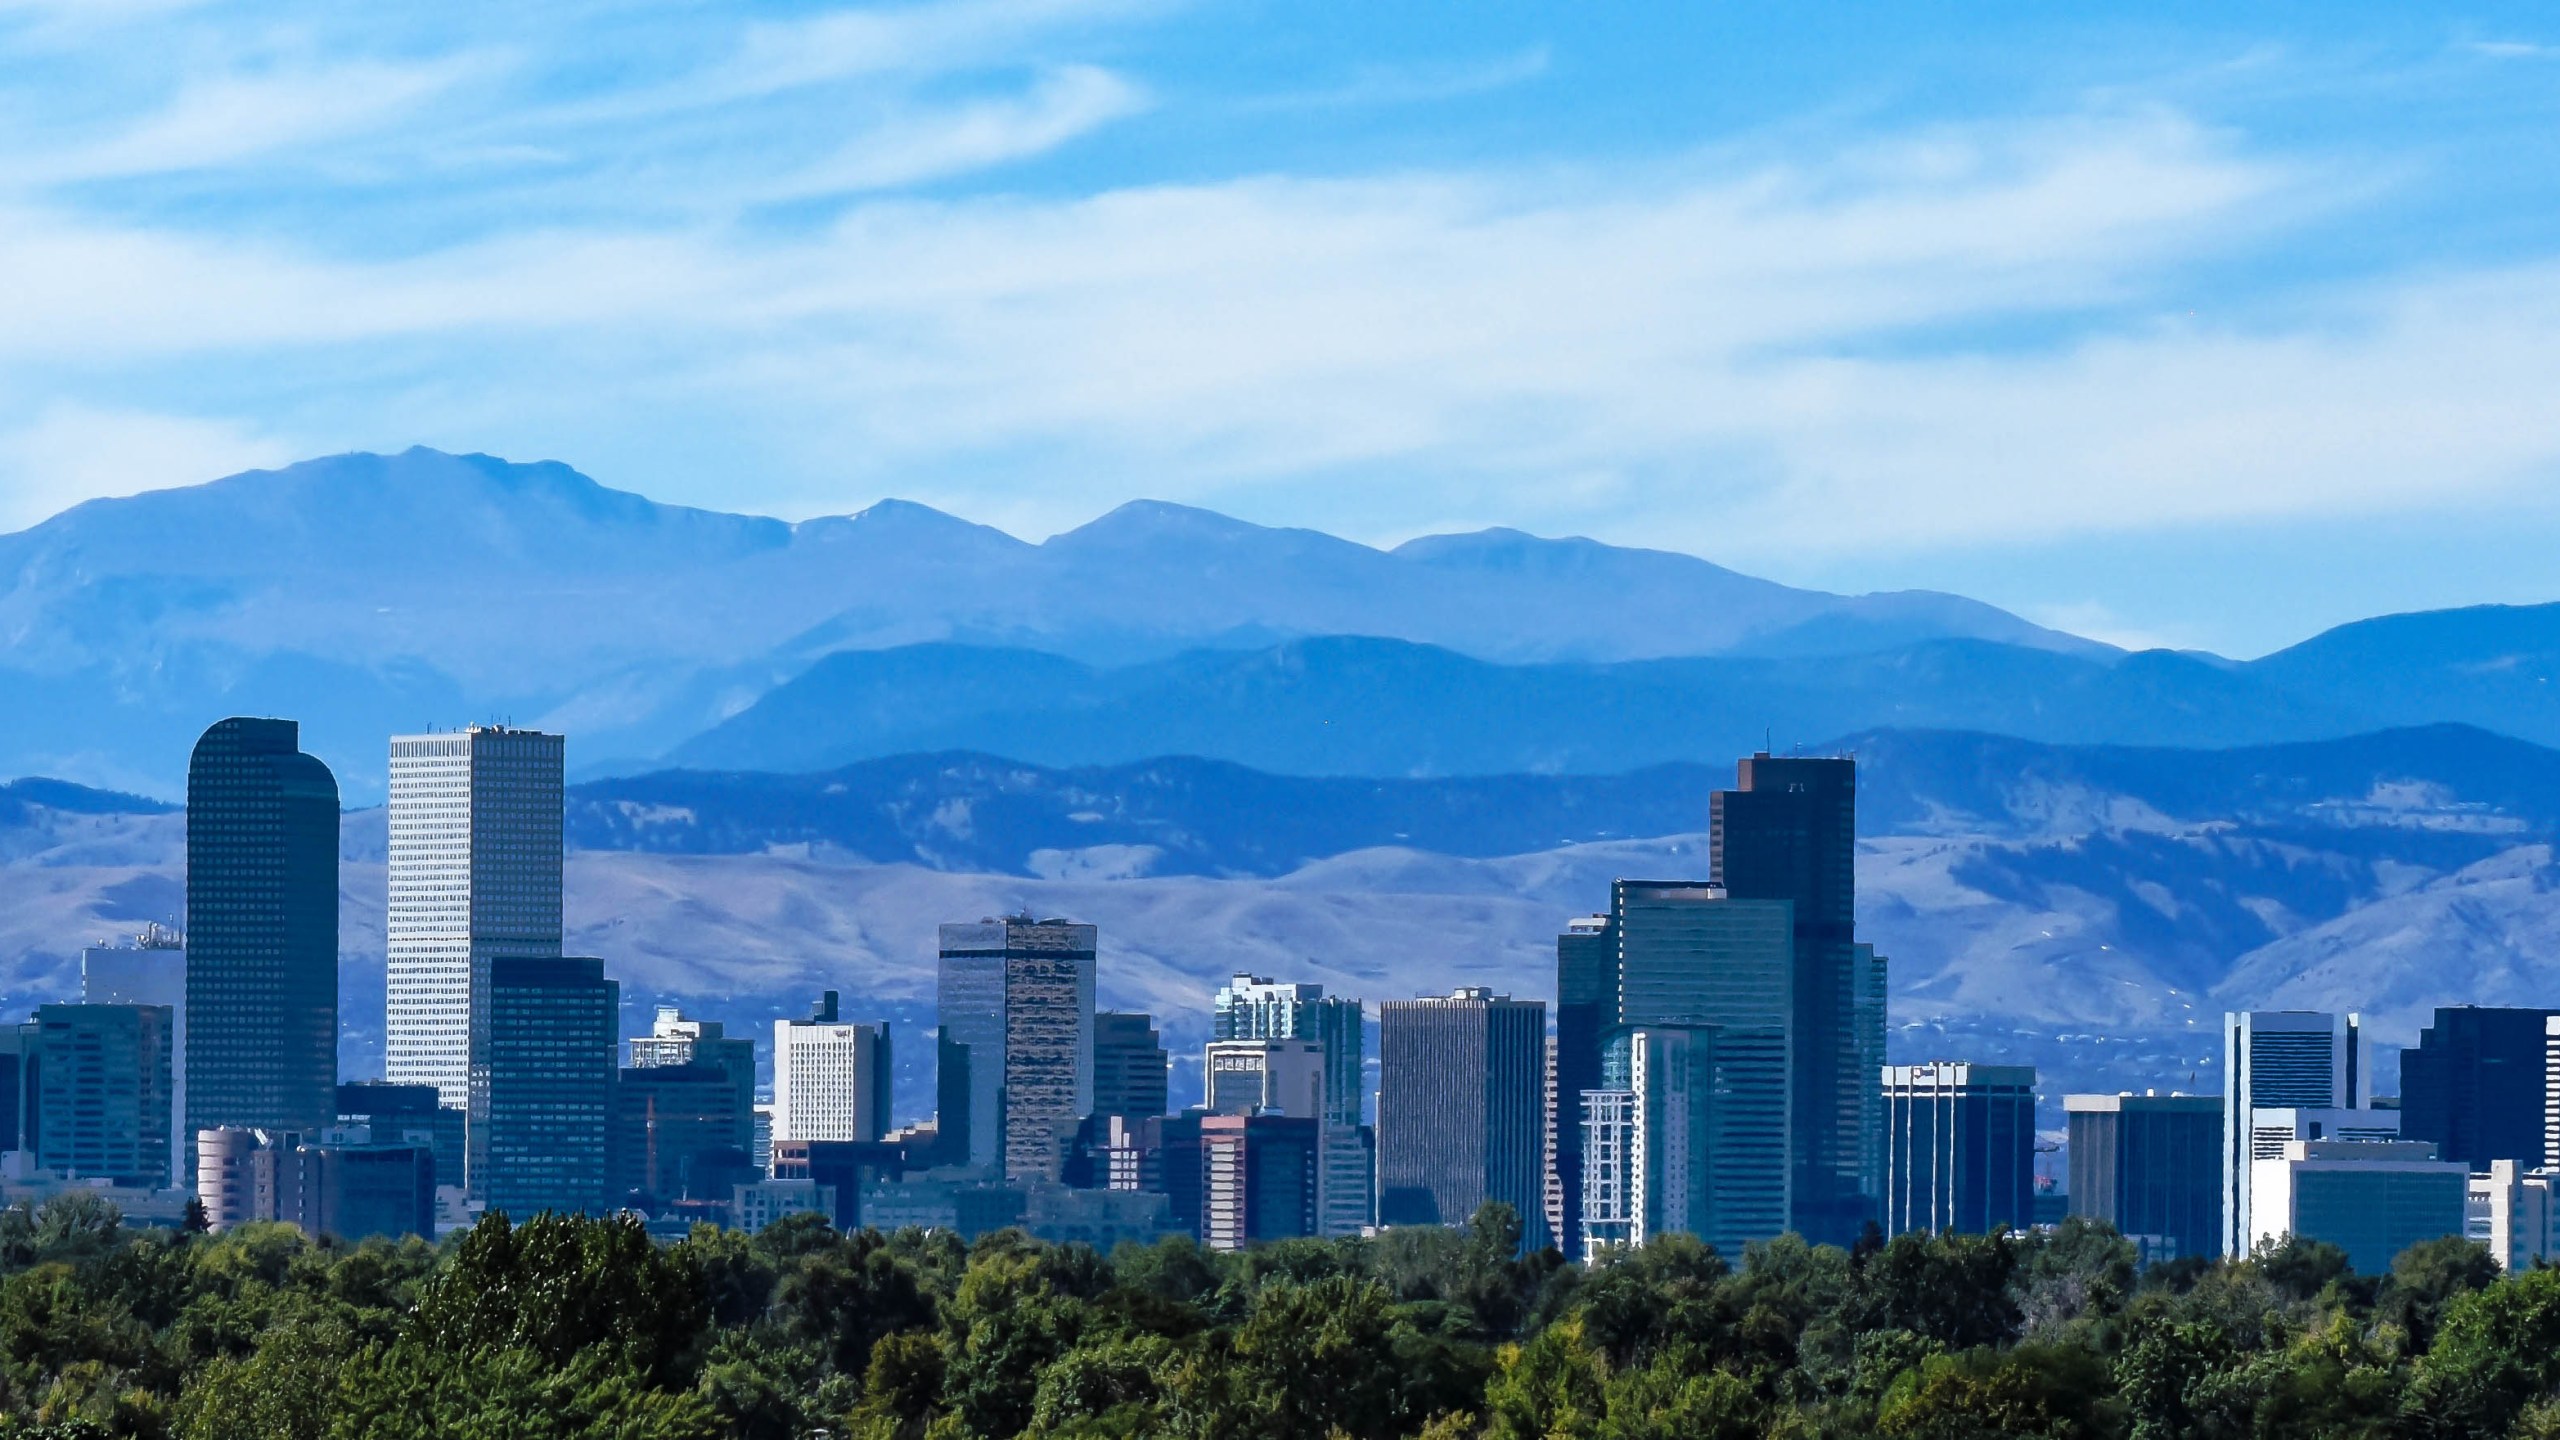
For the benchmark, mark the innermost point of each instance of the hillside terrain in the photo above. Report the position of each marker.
(2086, 909)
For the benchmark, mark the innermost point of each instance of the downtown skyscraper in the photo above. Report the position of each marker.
(1788, 831)
(262, 930)
(1674, 1038)
(475, 857)
(1015, 998)
(1461, 1108)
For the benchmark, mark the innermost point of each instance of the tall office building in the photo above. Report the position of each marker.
(2474, 1083)
(1252, 1007)
(1649, 1141)
(1711, 980)
(262, 930)
(831, 1078)
(103, 1095)
(1131, 1071)
(152, 970)
(1017, 994)
(1866, 1029)
(475, 827)
(2277, 1059)
(1460, 1108)
(542, 1076)
(1789, 832)
(2151, 1166)
(1586, 1013)
(2551, 1094)
(1960, 1148)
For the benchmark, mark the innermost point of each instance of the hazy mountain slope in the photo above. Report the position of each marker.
(370, 594)
(1358, 706)
(2496, 666)
(2459, 787)
(1159, 817)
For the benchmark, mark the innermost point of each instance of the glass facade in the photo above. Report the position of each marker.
(1131, 1071)
(542, 1080)
(2474, 1084)
(2151, 1166)
(1788, 831)
(1959, 1148)
(104, 1091)
(262, 930)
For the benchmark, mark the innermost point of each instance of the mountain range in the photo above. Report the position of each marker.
(373, 594)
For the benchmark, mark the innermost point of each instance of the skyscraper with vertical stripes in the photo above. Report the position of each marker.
(475, 821)
(2278, 1060)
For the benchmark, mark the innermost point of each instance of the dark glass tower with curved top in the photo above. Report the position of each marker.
(262, 893)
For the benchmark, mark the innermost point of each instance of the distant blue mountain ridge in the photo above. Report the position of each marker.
(2467, 792)
(369, 594)
(1364, 706)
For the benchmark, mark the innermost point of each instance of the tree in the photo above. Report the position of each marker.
(2497, 1350)
(2054, 1392)
(1955, 1289)
(559, 1285)
(2427, 1277)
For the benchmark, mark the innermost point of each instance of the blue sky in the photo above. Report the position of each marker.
(2203, 325)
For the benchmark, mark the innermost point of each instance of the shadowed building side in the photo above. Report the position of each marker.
(262, 931)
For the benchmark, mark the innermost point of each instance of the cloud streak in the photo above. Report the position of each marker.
(1678, 343)
(794, 265)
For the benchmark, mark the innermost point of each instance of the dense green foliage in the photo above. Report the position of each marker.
(565, 1328)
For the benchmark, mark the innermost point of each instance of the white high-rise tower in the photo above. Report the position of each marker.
(475, 822)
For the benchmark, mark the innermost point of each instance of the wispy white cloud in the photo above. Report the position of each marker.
(932, 38)
(1679, 344)
(927, 143)
(1933, 338)
(232, 118)
(2512, 49)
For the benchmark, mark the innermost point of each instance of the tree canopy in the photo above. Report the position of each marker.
(561, 1328)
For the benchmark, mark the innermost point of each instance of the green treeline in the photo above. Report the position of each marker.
(566, 1327)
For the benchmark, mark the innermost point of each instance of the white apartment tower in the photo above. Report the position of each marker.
(475, 820)
(831, 1080)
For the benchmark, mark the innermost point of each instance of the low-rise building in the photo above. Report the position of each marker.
(2511, 1213)
(754, 1206)
(2370, 1198)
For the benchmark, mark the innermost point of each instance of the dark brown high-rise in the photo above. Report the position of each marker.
(1789, 832)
